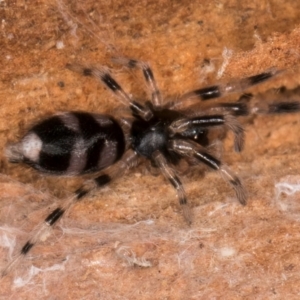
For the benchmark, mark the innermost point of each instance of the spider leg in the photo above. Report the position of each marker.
(128, 161)
(284, 107)
(236, 109)
(171, 176)
(191, 149)
(194, 124)
(104, 76)
(234, 86)
(263, 107)
(156, 97)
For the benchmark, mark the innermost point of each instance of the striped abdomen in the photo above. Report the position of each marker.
(71, 143)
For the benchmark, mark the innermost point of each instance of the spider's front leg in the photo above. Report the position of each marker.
(189, 125)
(194, 150)
(261, 106)
(221, 90)
(129, 160)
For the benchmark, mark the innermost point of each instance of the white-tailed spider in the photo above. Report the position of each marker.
(75, 143)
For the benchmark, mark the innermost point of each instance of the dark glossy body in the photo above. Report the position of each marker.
(71, 143)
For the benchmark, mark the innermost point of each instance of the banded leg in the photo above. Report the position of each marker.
(129, 160)
(171, 176)
(236, 109)
(234, 86)
(260, 106)
(244, 107)
(191, 149)
(190, 125)
(284, 107)
(104, 76)
(156, 97)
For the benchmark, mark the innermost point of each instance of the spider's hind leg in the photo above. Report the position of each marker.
(104, 76)
(156, 97)
(128, 161)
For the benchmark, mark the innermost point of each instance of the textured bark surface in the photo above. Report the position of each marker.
(129, 240)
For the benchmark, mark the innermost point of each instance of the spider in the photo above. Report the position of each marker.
(76, 143)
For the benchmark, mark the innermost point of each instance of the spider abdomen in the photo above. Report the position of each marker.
(70, 143)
